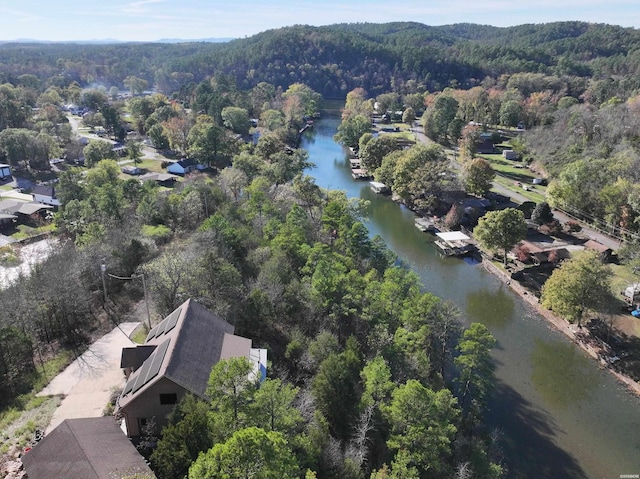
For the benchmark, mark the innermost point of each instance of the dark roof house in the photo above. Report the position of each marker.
(88, 448)
(182, 167)
(176, 358)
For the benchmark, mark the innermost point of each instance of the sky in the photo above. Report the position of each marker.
(151, 20)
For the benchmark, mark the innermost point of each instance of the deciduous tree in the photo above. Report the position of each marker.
(478, 176)
(501, 230)
(578, 286)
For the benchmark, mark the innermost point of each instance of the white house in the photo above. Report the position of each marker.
(182, 167)
(45, 194)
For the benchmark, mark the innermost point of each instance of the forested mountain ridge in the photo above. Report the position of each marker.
(335, 59)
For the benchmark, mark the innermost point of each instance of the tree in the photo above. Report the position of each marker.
(176, 130)
(231, 389)
(334, 388)
(376, 149)
(249, 453)
(351, 129)
(578, 286)
(478, 176)
(206, 140)
(422, 426)
(135, 85)
(158, 138)
(501, 230)
(357, 104)
(272, 407)
(510, 113)
(236, 119)
(408, 116)
(134, 151)
(438, 119)
(97, 150)
(186, 435)
(542, 214)
(474, 362)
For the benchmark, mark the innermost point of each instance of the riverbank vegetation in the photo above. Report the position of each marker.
(358, 351)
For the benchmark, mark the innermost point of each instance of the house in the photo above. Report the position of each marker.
(485, 147)
(131, 170)
(175, 359)
(163, 179)
(87, 448)
(5, 171)
(24, 210)
(182, 167)
(509, 155)
(604, 252)
(45, 194)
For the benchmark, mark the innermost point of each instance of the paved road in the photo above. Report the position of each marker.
(587, 231)
(88, 381)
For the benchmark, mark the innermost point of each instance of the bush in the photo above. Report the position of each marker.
(572, 226)
(160, 234)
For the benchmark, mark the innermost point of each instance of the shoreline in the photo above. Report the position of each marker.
(559, 324)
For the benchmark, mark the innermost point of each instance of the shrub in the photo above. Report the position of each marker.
(160, 234)
(572, 226)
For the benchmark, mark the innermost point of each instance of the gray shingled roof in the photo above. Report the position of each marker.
(44, 190)
(88, 448)
(22, 207)
(189, 344)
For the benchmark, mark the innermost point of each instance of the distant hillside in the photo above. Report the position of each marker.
(337, 58)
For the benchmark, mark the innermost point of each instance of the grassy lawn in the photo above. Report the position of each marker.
(622, 277)
(24, 231)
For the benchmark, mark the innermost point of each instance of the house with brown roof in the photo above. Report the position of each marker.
(176, 358)
(87, 448)
(604, 252)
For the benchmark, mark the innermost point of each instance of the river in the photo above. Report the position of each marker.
(559, 414)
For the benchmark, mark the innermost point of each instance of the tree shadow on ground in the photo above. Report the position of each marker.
(527, 440)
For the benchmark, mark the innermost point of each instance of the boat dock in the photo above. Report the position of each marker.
(426, 225)
(379, 188)
(454, 243)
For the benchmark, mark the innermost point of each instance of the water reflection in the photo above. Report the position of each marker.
(530, 453)
(562, 374)
(562, 417)
(493, 308)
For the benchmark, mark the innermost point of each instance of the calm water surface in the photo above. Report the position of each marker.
(560, 415)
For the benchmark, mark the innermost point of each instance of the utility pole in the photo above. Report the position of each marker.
(103, 269)
(146, 301)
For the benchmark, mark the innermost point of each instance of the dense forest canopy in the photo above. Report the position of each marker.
(335, 59)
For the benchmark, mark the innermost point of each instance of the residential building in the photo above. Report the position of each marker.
(176, 358)
(87, 448)
(45, 194)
